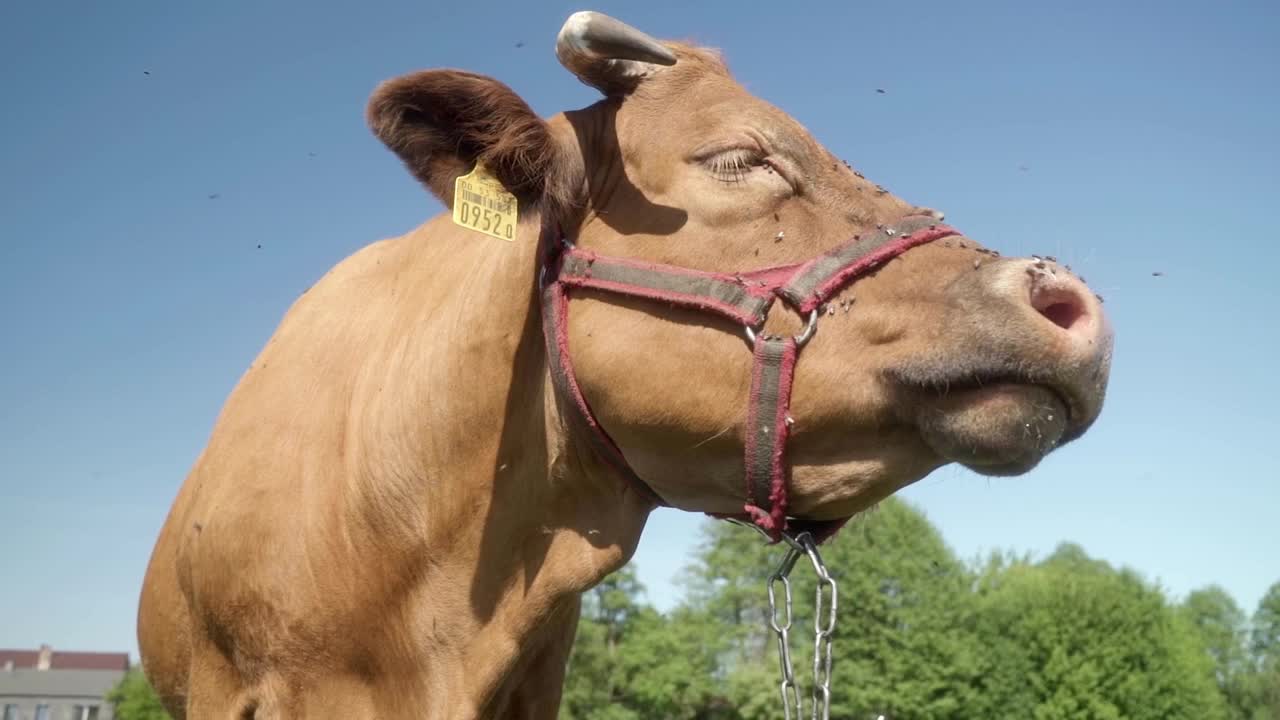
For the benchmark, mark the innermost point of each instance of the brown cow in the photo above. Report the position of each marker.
(403, 498)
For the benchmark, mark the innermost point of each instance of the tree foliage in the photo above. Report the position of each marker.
(1263, 686)
(1265, 640)
(631, 662)
(921, 634)
(1223, 632)
(1073, 638)
(133, 699)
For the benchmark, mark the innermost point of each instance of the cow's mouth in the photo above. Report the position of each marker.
(1001, 381)
(996, 424)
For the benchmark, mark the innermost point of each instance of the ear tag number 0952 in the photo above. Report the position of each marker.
(481, 203)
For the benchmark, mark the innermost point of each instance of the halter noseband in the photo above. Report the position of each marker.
(744, 298)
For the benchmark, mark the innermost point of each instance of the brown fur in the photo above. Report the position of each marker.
(390, 519)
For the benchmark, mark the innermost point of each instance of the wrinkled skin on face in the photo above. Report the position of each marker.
(944, 355)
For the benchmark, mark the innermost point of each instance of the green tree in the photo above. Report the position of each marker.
(1264, 684)
(631, 662)
(1265, 636)
(907, 648)
(901, 643)
(593, 681)
(1264, 694)
(921, 635)
(1073, 638)
(669, 665)
(1221, 625)
(725, 589)
(133, 699)
(727, 581)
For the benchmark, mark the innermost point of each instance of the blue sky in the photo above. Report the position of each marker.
(173, 175)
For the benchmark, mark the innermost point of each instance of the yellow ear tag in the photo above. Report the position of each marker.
(481, 203)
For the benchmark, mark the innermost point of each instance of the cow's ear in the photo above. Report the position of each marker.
(440, 122)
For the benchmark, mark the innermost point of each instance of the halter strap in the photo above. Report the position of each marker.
(724, 295)
(768, 425)
(745, 299)
(555, 316)
(820, 278)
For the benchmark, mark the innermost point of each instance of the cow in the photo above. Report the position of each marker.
(674, 297)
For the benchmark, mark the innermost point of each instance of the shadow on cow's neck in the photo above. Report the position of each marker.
(518, 454)
(607, 184)
(560, 519)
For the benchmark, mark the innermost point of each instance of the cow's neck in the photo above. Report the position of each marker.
(526, 518)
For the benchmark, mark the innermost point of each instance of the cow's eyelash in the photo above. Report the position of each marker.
(733, 165)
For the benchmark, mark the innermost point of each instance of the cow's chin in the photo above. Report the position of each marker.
(997, 430)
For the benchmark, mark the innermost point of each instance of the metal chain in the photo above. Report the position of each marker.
(823, 628)
(790, 693)
(824, 625)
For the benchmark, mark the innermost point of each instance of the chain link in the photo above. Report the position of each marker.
(790, 692)
(824, 625)
(822, 631)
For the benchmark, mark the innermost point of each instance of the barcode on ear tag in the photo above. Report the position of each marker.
(481, 203)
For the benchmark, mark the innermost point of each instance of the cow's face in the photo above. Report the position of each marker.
(946, 354)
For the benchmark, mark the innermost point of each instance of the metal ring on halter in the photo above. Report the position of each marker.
(800, 543)
(800, 339)
(804, 337)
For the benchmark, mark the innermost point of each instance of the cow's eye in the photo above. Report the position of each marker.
(733, 166)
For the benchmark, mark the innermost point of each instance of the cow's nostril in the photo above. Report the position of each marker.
(1060, 305)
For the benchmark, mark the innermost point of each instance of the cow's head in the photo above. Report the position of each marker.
(947, 354)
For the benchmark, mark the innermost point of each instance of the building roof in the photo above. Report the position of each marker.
(63, 660)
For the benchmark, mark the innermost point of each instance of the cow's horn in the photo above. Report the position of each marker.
(608, 54)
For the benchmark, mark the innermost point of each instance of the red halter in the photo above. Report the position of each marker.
(744, 298)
